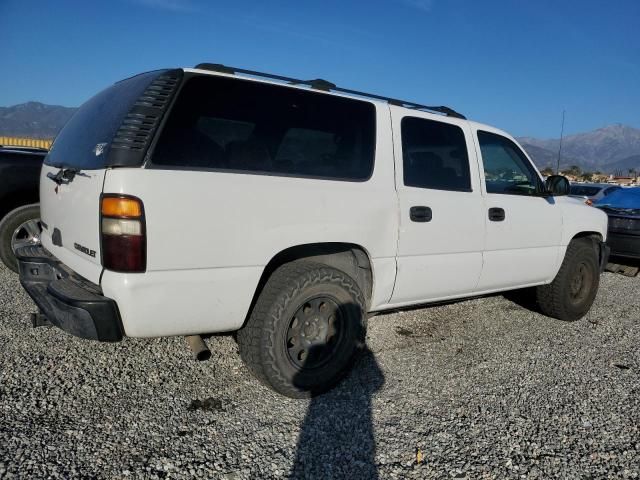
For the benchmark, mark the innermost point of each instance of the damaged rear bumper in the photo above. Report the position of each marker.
(68, 301)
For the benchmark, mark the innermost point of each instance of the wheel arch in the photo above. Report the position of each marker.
(352, 259)
(594, 235)
(596, 239)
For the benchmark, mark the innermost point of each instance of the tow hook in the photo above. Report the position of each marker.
(200, 350)
(40, 320)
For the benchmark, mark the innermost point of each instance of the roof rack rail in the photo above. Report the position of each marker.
(324, 85)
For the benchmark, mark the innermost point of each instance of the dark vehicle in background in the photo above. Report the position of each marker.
(19, 210)
(592, 191)
(623, 209)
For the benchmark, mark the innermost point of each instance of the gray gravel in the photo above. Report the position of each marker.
(482, 388)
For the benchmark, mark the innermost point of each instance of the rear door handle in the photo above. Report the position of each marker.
(496, 214)
(420, 214)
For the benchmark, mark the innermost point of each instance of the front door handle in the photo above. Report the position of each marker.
(496, 214)
(420, 214)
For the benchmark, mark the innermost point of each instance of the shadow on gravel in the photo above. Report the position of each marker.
(525, 298)
(337, 437)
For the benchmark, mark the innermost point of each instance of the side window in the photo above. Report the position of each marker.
(224, 131)
(312, 151)
(506, 169)
(434, 155)
(240, 125)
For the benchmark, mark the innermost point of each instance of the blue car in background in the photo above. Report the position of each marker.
(623, 209)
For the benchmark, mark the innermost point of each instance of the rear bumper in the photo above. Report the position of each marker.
(69, 302)
(624, 245)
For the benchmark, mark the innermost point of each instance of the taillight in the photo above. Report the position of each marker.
(123, 235)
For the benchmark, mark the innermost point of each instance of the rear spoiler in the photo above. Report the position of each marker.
(135, 134)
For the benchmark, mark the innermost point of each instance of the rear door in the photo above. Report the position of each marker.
(73, 175)
(441, 215)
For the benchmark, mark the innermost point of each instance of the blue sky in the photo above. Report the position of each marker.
(515, 64)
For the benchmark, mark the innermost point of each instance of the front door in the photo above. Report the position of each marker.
(523, 229)
(441, 208)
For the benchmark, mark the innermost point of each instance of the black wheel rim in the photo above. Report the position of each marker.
(315, 333)
(581, 282)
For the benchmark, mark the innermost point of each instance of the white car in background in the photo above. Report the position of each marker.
(592, 191)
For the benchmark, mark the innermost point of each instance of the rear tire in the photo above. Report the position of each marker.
(17, 226)
(571, 294)
(305, 330)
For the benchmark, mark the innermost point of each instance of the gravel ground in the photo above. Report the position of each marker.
(477, 389)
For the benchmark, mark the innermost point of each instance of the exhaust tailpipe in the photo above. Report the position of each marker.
(200, 350)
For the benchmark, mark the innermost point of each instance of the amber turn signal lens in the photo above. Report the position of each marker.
(121, 207)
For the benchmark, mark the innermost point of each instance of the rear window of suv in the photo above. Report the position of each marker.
(85, 139)
(244, 126)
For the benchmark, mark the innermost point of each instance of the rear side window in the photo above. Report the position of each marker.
(434, 155)
(85, 140)
(244, 126)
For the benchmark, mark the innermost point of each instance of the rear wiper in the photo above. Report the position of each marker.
(64, 176)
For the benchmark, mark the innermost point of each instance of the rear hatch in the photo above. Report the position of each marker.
(112, 129)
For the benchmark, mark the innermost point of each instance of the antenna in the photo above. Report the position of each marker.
(560, 148)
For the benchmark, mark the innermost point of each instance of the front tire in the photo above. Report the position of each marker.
(18, 228)
(571, 294)
(305, 330)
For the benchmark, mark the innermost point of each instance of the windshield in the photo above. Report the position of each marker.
(584, 191)
(625, 199)
(84, 141)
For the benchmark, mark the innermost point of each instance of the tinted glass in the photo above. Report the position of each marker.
(506, 168)
(584, 191)
(434, 155)
(96, 122)
(239, 125)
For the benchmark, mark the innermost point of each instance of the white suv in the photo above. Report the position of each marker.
(193, 201)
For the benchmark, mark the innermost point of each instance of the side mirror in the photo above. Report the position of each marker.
(557, 185)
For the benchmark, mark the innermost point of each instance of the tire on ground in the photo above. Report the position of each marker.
(273, 331)
(8, 226)
(572, 292)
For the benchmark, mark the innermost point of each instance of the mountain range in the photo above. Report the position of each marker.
(33, 120)
(611, 149)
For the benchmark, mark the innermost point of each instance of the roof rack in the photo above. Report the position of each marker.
(325, 86)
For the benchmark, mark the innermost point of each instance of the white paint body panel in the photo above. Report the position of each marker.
(74, 210)
(441, 257)
(577, 219)
(182, 302)
(210, 234)
(523, 248)
(527, 248)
